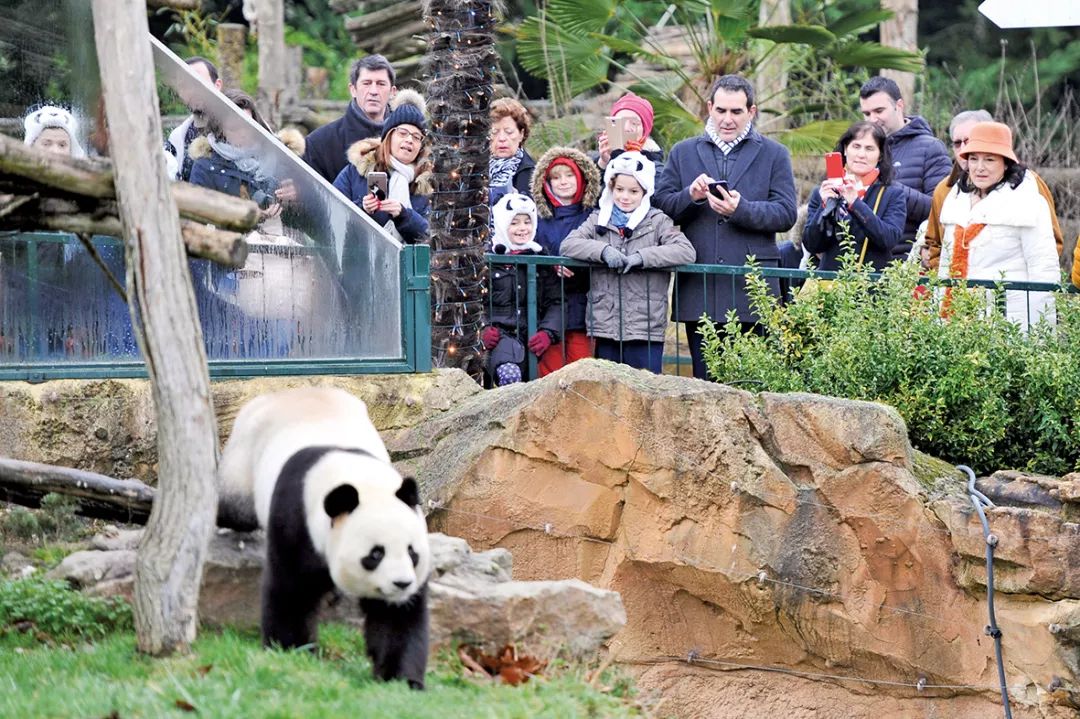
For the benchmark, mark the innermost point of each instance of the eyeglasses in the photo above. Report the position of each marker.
(402, 133)
(957, 144)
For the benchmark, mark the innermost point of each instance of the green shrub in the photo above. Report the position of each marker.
(54, 521)
(51, 610)
(973, 388)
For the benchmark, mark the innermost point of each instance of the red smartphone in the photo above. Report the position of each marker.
(834, 166)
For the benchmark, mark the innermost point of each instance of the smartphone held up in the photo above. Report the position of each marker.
(377, 184)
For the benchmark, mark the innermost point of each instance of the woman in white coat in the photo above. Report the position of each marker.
(998, 226)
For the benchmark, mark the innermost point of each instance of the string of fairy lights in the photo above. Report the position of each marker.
(459, 67)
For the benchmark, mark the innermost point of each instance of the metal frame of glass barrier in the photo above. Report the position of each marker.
(415, 338)
(532, 262)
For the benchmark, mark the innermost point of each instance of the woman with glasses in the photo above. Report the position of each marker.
(402, 157)
(510, 168)
(997, 225)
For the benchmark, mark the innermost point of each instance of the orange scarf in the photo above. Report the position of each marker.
(958, 265)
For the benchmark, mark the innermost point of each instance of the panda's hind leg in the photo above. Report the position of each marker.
(397, 638)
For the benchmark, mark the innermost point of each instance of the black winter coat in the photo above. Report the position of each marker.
(881, 231)
(508, 303)
(921, 162)
(326, 146)
(550, 232)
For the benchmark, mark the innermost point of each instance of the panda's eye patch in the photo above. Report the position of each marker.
(413, 556)
(371, 561)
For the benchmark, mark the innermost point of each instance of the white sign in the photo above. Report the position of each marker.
(1031, 13)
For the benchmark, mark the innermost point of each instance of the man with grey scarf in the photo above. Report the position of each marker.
(730, 222)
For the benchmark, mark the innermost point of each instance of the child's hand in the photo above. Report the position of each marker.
(490, 337)
(539, 342)
(633, 261)
(614, 259)
(604, 147)
(564, 271)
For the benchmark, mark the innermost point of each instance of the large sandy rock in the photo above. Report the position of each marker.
(472, 598)
(752, 532)
(108, 426)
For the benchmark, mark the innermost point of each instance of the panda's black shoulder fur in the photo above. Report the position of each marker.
(297, 577)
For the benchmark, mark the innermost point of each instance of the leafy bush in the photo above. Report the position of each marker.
(50, 610)
(973, 388)
(54, 521)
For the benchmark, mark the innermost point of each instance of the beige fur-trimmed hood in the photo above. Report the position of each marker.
(292, 139)
(361, 155)
(590, 174)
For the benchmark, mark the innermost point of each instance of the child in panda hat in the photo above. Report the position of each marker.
(514, 219)
(627, 312)
(53, 129)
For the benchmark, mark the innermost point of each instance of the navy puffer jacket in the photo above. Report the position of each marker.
(920, 161)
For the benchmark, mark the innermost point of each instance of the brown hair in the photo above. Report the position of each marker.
(245, 102)
(509, 107)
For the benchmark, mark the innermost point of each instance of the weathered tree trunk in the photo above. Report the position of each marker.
(771, 77)
(902, 31)
(272, 97)
(232, 41)
(168, 571)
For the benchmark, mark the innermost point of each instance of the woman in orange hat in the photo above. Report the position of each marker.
(998, 226)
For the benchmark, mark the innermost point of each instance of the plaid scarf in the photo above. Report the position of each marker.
(725, 146)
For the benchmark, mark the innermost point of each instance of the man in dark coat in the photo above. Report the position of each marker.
(371, 84)
(920, 159)
(735, 223)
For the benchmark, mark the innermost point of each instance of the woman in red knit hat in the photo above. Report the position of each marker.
(638, 114)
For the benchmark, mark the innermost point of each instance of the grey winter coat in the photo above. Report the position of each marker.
(631, 306)
(921, 162)
(760, 170)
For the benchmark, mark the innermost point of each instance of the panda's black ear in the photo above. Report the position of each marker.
(409, 493)
(342, 500)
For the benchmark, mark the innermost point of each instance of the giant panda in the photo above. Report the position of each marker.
(308, 466)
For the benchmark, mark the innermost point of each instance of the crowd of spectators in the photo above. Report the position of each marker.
(721, 197)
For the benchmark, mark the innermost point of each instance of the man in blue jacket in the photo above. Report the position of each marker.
(371, 84)
(920, 159)
(736, 222)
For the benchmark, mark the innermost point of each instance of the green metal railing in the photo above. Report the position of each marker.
(415, 355)
(679, 359)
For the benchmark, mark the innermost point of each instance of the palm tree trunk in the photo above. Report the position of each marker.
(771, 75)
(902, 31)
(461, 54)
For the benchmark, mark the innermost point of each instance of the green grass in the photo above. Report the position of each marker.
(229, 674)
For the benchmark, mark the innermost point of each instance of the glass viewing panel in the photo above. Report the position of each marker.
(322, 280)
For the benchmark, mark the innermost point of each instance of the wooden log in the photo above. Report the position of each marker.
(273, 93)
(83, 177)
(95, 179)
(387, 17)
(64, 215)
(97, 495)
(216, 208)
(174, 4)
(169, 565)
(232, 42)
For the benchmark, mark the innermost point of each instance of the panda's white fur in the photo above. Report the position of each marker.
(316, 446)
(272, 427)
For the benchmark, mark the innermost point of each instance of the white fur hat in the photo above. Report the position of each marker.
(503, 213)
(641, 169)
(52, 116)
